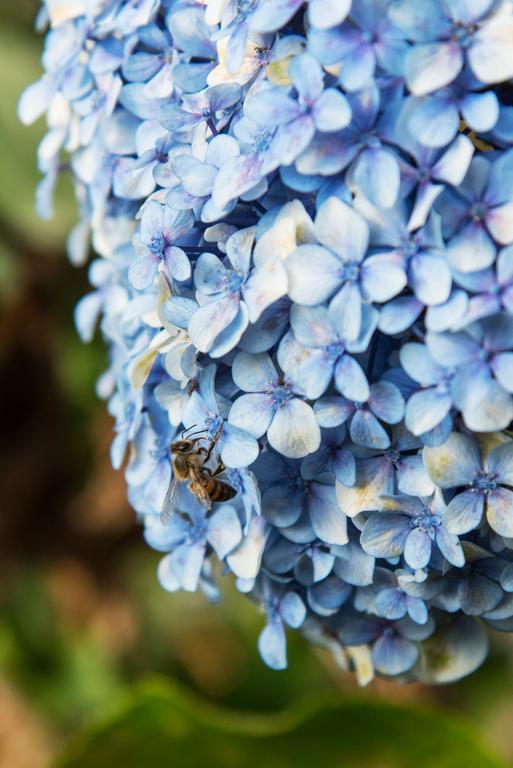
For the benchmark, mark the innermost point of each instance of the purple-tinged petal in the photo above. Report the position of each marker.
(377, 176)
(500, 463)
(489, 54)
(431, 66)
(142, 271)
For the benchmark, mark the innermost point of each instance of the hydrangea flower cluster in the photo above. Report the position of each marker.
(302, 214)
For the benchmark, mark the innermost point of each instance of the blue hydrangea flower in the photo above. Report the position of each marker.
(301, 214)
(339, 266)
(406, 525)
(448, 35)
(273, 406)
(485, 476)
(326, 110)
(161, 227)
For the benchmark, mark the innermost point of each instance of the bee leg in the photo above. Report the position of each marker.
(219, 469)
(214, 441)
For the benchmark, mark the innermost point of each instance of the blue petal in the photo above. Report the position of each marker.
(366, 430)
(273, 646)
(254, 372)
(314, 274)
(239, 448)
(224, 531)
(328, 521)
(417, 548)
(377, 176)
(393, 655)
(292, 610)
(465, 512)
(294, 432)
(384, 535)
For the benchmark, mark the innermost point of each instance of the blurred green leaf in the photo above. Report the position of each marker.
(19, 66)
(160, 723)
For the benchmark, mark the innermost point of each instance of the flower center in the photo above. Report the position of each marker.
(478, 211)
(234, 281)
(463, 33)
(157, 244)
(485, 482)
(280, 395)
(334, 351)
(426, 520)
(350, 271)
(212, 424)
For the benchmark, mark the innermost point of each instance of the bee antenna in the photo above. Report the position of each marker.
(188, 429)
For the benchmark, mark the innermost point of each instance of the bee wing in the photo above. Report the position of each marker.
(197, 485)
(169, 502)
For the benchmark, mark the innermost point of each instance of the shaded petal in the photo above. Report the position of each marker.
(326, 517)
(472, 249)
(310, 370)
(292, 610)
(272, 645)
(385, 535)
(417, 548)
(366, 430)
(245, 561)
(465, 512)
(450, 547)
(177, 263)
(454, 463)
(392, 655)
(499, 511)
(391, 604)
(142, 271)
(500, 462)
(382, 278)
(386, 402)
(331, 111)
(238, 448)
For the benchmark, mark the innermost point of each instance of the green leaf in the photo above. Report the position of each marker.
(161, 724)
(19, 66)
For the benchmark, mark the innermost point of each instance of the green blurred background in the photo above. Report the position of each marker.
(99, 666)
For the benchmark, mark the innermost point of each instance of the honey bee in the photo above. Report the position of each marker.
(189, 466)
